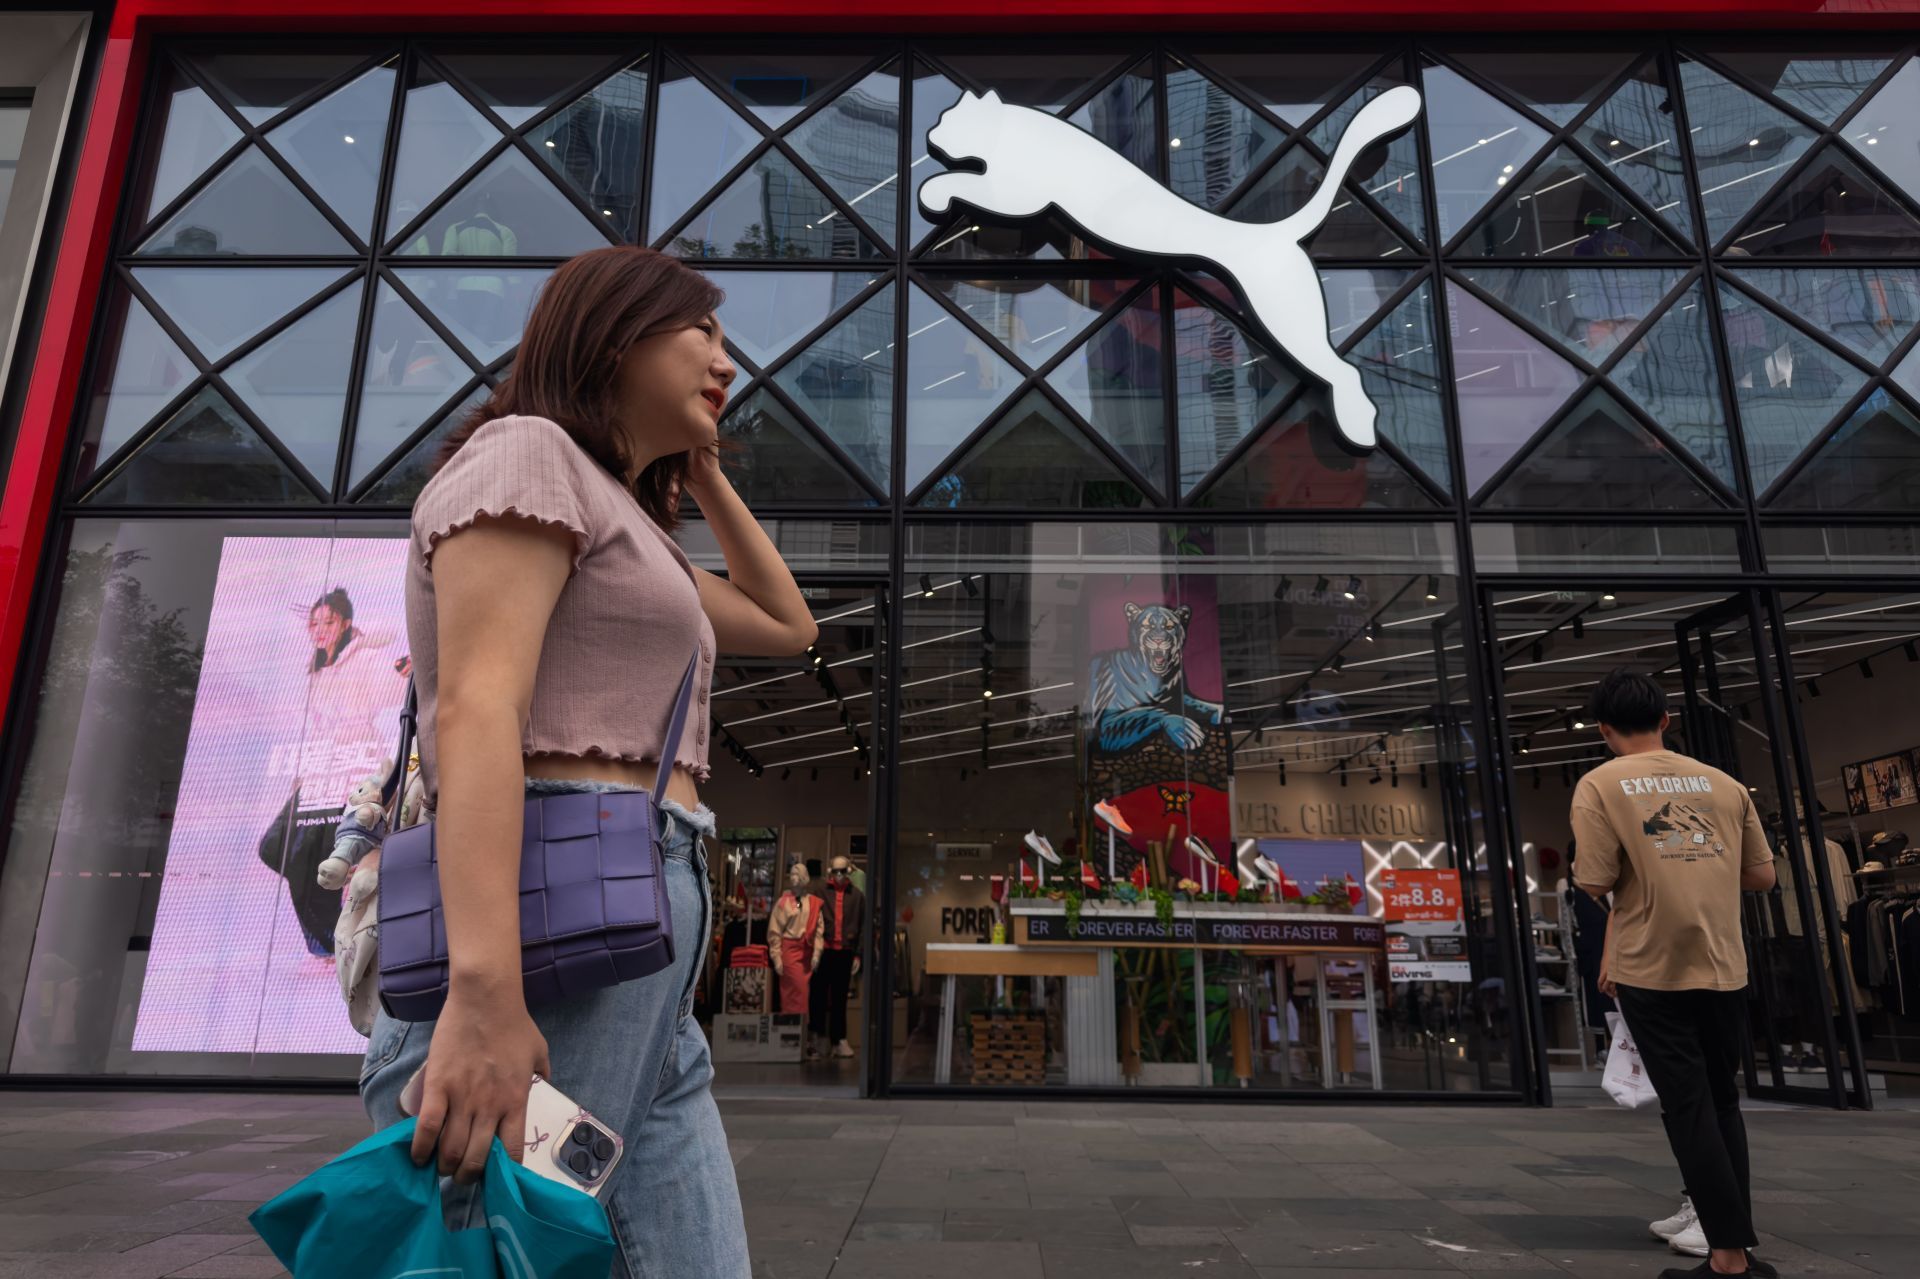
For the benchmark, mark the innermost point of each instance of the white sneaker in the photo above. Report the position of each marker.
(1691, 1242)
(1680, 1221)
(843, 1049)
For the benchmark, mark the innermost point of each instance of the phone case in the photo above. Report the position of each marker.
(565, 1143)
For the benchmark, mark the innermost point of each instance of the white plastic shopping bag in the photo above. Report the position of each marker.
(1626, 1079)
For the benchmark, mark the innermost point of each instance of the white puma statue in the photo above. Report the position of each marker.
(1035, 160)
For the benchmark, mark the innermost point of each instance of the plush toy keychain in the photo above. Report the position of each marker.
(362, 828)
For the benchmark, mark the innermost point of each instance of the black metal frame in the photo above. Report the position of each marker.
(371, 265)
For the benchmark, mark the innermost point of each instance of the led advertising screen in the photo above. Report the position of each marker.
(304, 674)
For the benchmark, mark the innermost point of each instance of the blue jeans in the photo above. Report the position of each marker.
(634, 1056)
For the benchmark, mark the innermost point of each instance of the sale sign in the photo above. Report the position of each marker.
(1420, 895)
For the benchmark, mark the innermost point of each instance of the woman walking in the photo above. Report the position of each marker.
(551, 621)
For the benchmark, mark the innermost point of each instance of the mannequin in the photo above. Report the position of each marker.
(843, 916)
(794, 938)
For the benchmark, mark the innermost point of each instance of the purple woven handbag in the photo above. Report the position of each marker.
(593, 903)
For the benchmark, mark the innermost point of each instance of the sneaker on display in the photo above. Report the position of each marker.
(1691, 1242)
(1667, 1227)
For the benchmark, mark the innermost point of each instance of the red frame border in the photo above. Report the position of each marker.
(33, 477)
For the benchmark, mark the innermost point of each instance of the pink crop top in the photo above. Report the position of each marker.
(624, 624)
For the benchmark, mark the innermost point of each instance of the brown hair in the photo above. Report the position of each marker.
(589, 314)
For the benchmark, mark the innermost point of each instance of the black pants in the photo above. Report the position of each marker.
(828, 994)
(1689, 1041)
(293, 847)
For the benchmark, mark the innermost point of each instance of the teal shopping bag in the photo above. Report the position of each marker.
(371, 1214)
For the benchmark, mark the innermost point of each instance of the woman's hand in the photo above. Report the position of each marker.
(703, 470)
(480, 1065)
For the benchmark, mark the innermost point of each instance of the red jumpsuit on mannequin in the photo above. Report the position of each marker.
(795, 935)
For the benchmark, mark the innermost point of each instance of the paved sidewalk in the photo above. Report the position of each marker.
(145, 1185)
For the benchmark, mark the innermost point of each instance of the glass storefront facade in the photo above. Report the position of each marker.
(1638, 320)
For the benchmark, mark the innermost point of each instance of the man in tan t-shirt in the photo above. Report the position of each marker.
(1676, 841)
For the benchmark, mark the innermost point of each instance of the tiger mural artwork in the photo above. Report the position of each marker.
(1157, 744)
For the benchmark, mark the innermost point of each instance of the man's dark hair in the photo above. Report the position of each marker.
(1627, 702)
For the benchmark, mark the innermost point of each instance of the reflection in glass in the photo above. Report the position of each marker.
(1907, 373)
(772, 211)
(139, 376)
(1122, 116)
(1032, 317)
(1565, 209)
(1871, 309)
(262, 85)
(1598, 456)
(518, 85)
(1033, 458)
(1507, 382)
(1351, 230)
(1113, 381)
(1225, 386)
(766, 312)
(1215, 139)
(697, 140)
(1788, 386)
(1046, 81)
(1831, 208)
(296, 381)
(852, 143)
(403, 482)
(249, 208)
(1823, 86)
(1388, 171)
(1634, 135)
(1558, 85)
(441, 136)
(206, 455)
(844, 384)
(221, 308)
(197, 132)
(1872, 463)
(776, 87)
(485, 309)
(1295, 85)
(410, 372)
(336, 145)
(1589, 311)
(596, 144)
(510, 209)
(1741, 146)
(954, 380)
(1680, 549)
(779, 460)
(1299, 462)
(1674, 374)
(1400, 366)
(1885, 129)
(1354, 296)
(1478, 142)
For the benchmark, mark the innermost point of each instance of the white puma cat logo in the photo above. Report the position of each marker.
(1035, 160)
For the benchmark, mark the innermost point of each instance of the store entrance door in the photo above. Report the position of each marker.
(1731, 717)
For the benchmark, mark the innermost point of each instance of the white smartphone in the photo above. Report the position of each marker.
(564, 1143)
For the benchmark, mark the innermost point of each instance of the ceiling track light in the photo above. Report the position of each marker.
(1353, 588)
(1343, 774)
(1579, 628)
(926, 585)
(1433, 588)
(1320, 585)
(1339, 660)
(1283, 772)
(973, 592)
(1280, 591)
(1423, 777)
(1866, 668)
(1912, 652)
(1539, 652)
(1813, 688)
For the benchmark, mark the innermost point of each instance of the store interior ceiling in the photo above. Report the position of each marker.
(1324, 673)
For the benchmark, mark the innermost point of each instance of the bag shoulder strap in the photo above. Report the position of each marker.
(676, 727)
(397, 778)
